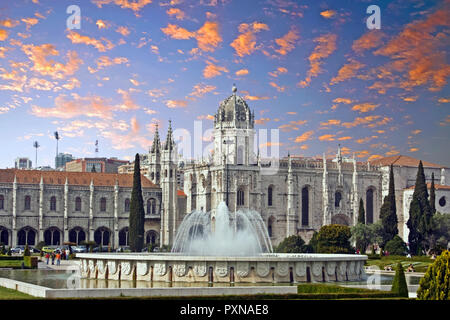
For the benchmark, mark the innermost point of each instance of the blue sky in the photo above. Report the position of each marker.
(311, 70)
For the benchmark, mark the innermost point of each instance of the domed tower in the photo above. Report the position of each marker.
(234, 132)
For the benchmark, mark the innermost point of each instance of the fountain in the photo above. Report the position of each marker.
(222, 247)
(224, 234)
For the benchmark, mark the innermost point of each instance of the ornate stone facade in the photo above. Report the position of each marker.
(57, 207)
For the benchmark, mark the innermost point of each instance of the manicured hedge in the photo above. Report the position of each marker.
(11, 257)
(30, 262)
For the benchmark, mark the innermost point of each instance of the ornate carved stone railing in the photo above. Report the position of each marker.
(264, 268)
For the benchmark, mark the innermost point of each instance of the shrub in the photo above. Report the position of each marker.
(292, 244)
(396, 246)
(399, 285)
(333, 238)
(30, 262)
(435, 285)
(26, 252)
(9, 253)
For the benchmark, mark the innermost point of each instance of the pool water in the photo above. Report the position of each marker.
(58, 279)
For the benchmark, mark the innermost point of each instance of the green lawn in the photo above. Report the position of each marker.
(10, 263)
(10, 294)
(420, 263)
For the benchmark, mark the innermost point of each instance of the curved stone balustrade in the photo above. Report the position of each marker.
(264, 268)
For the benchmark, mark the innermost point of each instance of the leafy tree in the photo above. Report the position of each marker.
(399, 285)
(366, 234)
(361, 212)
(435, 285)
(137, 213)
(420, 214)
(333, 238)
(292, 244)
(396, 246)
(388, 212)
(441, 230)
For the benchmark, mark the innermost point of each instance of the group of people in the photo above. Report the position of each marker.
(58, 255)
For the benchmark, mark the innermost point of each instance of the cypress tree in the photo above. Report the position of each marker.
(136, 220)
(388, 211)
(432, 195)
(399, 285)
(420, 214)
(361, 212)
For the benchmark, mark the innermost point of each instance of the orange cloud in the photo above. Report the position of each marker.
(201, 89)
(8, 23)
(38, 55)
(331, 122)
(136, 6)
(104, 61)
(370, 121)
(325, 47)
(328, 14)
(3, 34)
(279, 89)
(444, 100)
(30, 22)
(253, 98)
(177, 13)
(208, 37)
(364, 107)
(287, 42)
(347, 71)
(345, 138)
(245, 43)
(343, 100)
(101, 24)
(99, 45)
(327, 137)
(172, 104)
(304, 137)
(211, 70)
(90, 106)
(123, 31)
(369, 40)
(418, 52)
(242, 72)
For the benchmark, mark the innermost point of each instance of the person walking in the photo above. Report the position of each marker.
(53, 258)
(58, 258)
(47, 257)
(67, 254)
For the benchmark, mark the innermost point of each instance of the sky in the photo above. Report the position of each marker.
(312, 70)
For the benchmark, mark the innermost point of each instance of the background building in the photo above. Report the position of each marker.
(103, 165)
(61, 159)
(23, 163)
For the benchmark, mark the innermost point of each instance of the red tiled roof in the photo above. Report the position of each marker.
(73, 178)
(436, 186)
(403, 161)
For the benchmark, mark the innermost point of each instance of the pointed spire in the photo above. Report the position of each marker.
(234, 89)
(156, 145)
(169, 141)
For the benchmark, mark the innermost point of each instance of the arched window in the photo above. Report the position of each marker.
(151, 206)
(26, 235)
(270, 196)
(369, 206)
(53, 203)
(240, 197)
(101, 236)
(270, 226)
(123, 237)
(2, 202)
(127, 205)
(4, 236)
(103, 204)
(52, 236)
(77, 235)
(337, 199)
(151, 237)
(305, 206)
(77, 204)
(27, 204)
